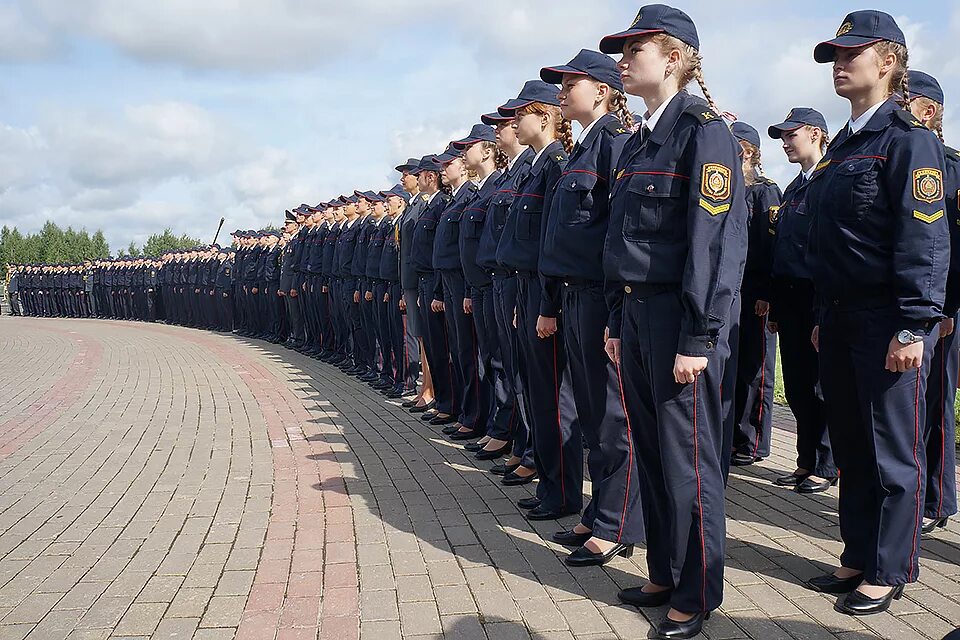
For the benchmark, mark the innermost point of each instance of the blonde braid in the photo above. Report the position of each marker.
(698, 76)
(618, 105)
(565, 134)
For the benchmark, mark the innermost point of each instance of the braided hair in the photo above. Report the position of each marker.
(563, 129)
(898, 77)
(618, 105)
(691, 65)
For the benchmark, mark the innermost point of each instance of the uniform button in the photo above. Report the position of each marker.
(651, 188)
(627, 289)
(710, 345)
(573, 184)
(524, 207)
(850, 167)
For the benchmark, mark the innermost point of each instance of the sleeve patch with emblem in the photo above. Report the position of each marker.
(927, 185)
(715, 182)
(928, 218)
(774, 214)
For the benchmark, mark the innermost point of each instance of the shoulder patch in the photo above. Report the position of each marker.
(715, 181)
(703, 113)
(909, 118)
(927, 185)
(774, 214)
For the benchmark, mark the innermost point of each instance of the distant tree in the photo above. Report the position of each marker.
(51, 245)
(167, 241)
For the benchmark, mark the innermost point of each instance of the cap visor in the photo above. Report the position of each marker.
(614, 43)
(509, 110)
(775, 131)
(825, 51)
(554, 75)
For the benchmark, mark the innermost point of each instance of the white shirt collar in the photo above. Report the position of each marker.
(861, 122)
(539, 153)
(514, 159)
(482, 181)
(430, 198)
(808, 174)
(652, 120)
(457, 190)
(586, 130)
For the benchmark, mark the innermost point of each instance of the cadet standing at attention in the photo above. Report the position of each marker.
(879, 251)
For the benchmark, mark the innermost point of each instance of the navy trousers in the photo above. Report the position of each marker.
(794, 314)
(876, 421)
(679, 441)
(435, 344)
(464, 350)
(756, 374)
(503, 409)
(614, 512)
(504, 306)
(941, 496)
(548, 394)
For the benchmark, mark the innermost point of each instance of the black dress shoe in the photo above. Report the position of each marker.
(451, 429)
(528, 503)
(830, 583)
(473, 446)
(669, 629)
(513, 480)
(742, 460)
(539, 513)
(583, 557)
(464, 435)
(933, 525)
(393, 394)
(791, 480)
(637, 597)
(503, 469)
(857, 604)
(406, 404)
(440, 420)
(571, 538)
(493, 454)
(809, 485)
(423, 408)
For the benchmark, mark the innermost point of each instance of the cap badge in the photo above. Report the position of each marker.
(844, 29)
(636, 20)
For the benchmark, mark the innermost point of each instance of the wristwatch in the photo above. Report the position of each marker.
(906, 337)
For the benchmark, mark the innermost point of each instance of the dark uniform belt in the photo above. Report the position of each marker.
(643, 290)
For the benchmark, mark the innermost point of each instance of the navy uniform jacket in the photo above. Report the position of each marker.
(951, 180)
(880, 227)
(678, 217)
(375, 247)
(519, 247)
(251, 267)
(790, 230)
(496, 217)
(286, 265)
(343, 259)
(329, 251)
(224, 278)
(271, 270)
(408, 223)
(314, 260)
(368, 227)
(389, 268)
(446, 244)
(576, 225)
(471, 230)
(763, 207)
(421, 249)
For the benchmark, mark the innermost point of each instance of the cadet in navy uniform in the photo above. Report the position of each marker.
(435, 340)
(879, 255)
(338, 348)
(475, 395)
(290, 252)
(571, 267)
(366, 337)
(224, 289)
(673, 260)
(926, 104)
(412, 320)
(375, 290)
(481, 156)
(557, 442)
(756, 346)
(346, 283)
(791, 315)
(389, 273)
(504, 294)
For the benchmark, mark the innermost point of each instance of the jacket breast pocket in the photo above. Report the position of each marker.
(654, 211)
(856, 184)
(501, 209)
(529, 212)
(472, 224)
(576, 193)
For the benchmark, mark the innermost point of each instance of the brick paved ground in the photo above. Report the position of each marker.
(170, 483)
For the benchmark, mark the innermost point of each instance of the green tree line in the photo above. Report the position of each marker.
(53, 245)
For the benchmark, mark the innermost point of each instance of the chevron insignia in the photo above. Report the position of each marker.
(825, 163)
(717, 209)
(929, 218)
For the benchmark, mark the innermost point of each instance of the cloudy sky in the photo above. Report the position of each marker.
(135, 115)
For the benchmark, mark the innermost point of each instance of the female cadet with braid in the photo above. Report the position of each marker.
(571, 267)
(674, 257)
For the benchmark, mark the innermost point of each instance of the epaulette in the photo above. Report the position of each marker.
(951, 153)
(765, 180)
(616, 127)
(702, 112)
(909, 119)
